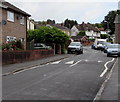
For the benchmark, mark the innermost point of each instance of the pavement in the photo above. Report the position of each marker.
(111, 90)
(7, 69)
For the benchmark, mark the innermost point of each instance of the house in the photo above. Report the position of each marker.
(30, 24)
(13, 23)
(117, 28)
(79, 38)
(61, 27)
(90, 31)
(102, 31)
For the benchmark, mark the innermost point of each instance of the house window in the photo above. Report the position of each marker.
(10, 16)
(22, 20)
(10, 38)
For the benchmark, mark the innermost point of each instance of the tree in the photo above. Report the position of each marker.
(108, 22)
(48, 35)
(50, 21)
(98, 25)
(81, 33)
(70, 23)
(103, 36)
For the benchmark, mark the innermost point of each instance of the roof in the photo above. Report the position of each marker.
(12, 7)
(59, 27)
(101, 29)
(78, 37)
(85, 27)
(117, 18)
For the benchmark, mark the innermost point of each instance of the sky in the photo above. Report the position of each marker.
(59, 10)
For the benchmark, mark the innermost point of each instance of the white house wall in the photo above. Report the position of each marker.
(30, 25)
(103, 32)
(92, 34)
(74, 31)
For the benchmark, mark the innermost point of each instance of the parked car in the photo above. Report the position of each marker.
(75, 47)
(92, 46)
(113, 49)
(41, 46)
(99, 43)
(104, 45)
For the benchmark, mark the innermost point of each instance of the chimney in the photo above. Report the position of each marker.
(83, 22)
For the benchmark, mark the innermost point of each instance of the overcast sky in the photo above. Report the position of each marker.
(59, 10)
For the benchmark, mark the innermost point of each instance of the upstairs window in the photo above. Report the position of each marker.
(10, 16)
(22, 20)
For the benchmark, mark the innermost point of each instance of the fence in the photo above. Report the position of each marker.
(21, 56)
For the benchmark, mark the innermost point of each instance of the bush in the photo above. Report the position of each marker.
(12, 46)
(81, 33)
(104, 36)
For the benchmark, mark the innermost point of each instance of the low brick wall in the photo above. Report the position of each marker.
(9, 57)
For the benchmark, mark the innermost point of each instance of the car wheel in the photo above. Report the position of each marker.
(105, 51)
(118, 55)
(68, 52)
(82, 52)
(108, 54)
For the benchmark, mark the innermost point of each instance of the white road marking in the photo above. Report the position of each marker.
(30, 68)
(98, 95)
(100, 61)
(70, 62)
(86, 60)
(106, 68)
(75, 63)
(44, 75)
(56, 62)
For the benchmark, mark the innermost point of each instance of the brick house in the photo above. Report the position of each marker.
(117, 28)
(13, 23)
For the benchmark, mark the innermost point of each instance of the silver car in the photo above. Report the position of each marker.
(75, 47)
(113, 49)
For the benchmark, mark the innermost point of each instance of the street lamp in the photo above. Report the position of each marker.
(108, 30)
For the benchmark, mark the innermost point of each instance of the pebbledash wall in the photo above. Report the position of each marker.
(10, 57)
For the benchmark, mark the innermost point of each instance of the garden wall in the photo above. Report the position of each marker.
(9, 57)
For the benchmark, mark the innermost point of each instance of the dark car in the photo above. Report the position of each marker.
(75, 47)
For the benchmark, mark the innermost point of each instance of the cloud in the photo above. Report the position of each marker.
(63, 0)
(94, 13)
(59, 11)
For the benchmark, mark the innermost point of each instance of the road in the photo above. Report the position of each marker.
(76, 78)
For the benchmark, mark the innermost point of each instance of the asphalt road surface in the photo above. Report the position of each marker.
(76, 78)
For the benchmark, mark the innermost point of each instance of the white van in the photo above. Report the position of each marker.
(99, 43)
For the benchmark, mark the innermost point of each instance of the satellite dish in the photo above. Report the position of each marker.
(3, 22)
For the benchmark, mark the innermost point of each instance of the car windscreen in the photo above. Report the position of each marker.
(107, 43)
(75, 44)
(114, 46)
(100, 42)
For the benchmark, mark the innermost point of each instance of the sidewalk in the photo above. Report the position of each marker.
(12, 67)
(111, 91)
